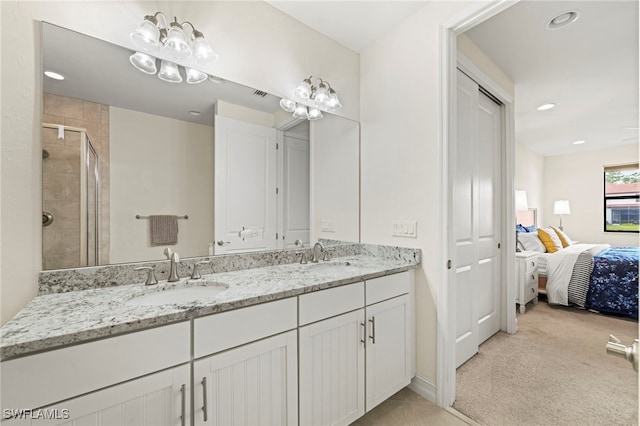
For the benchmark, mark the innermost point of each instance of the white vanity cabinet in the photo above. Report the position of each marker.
(357, 341)
(140, 378)
(251, 377)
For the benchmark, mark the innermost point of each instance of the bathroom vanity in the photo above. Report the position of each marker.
(283, 344)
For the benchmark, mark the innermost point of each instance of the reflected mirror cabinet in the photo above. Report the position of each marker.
(237, 172)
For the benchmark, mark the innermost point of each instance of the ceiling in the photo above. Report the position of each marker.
(589, 69)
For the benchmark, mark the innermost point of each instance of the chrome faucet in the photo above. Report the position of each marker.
(173, 271)
(314, 253)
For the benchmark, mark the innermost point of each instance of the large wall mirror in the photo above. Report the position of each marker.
(125, 152)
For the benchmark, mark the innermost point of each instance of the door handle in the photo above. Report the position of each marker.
(630, 353)
(204, 398)
(183, 405)
(373, 330)
(222, 243)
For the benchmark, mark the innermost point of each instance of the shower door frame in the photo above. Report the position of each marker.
(86, 151)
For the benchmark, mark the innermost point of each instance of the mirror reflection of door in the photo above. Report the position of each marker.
(70, 183)
(245, 186)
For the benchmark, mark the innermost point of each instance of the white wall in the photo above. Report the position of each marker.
(159, 166)
(579, 179)
(400, 158)
(258, 46)
(335, 179)
(529, 177)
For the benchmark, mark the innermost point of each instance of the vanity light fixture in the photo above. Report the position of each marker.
(153, 36)
(323, 97)
(579, 142)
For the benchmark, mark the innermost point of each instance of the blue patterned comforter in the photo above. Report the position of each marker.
(614, 282)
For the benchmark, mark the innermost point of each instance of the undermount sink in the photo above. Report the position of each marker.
(330, 266)
(179, 295)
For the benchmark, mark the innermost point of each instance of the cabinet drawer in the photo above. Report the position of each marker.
(42, 379)
(531, 279)
(531, 264)
(384, 288)
(530, 292)
(216, 333)
(328, 303)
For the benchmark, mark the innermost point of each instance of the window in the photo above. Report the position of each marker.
(622, 198)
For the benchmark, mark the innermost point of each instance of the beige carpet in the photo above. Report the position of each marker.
(553, 371)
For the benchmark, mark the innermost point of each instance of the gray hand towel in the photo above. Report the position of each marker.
(164, 229)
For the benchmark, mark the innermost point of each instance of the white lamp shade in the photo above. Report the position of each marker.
(334, 102)
(195, 76)
(521, 201)
(169, 72)
(143, 62)
(561, 207)
(322, 96)
(303, 90)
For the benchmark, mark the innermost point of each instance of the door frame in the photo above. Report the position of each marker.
(449, 62)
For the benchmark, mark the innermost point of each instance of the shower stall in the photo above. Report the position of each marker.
(70, 198)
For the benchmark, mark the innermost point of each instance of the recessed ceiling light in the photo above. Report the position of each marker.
(195, 113)
(563, 19)
(544, 107)
(54, 75)
(579, 142)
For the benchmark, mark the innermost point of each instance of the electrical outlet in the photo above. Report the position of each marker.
(327, 226)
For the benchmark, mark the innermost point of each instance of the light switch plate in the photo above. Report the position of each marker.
(327, 226)
(404, 228)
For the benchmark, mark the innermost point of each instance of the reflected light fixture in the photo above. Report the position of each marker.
(154, 37)
(545, 107)
(54, 75)
(312, 100)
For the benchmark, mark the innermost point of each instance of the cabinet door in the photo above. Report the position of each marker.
(254, 384)
(332, 370)
(388, 344)
(154, 400)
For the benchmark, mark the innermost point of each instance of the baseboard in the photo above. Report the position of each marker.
(424, 387)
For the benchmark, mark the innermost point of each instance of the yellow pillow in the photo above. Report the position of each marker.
(564, 238)
(550, 239)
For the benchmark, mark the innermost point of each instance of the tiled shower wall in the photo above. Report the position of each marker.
(95, 119)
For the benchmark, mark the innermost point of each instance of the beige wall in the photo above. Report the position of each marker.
(258, 46)
(579, 179)
(529, 177)
(400, 159)
(176, 180)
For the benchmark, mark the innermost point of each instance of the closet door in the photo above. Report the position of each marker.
(476, 218)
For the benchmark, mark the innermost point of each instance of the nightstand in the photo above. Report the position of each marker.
(527, 278)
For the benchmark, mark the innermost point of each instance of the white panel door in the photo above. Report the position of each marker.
(388, 343)
(245, 186)
(296, 219)
(476, 218)
(254, 384)
(158, 399)
(332, 358)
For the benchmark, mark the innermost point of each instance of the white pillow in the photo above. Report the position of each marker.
(531, 242)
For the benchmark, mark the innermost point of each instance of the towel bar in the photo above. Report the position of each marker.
(147, 217)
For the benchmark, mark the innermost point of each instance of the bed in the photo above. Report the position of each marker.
(590, 276)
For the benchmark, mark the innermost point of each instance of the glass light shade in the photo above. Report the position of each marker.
(169, 72)
(287, 105)
(143, 62)
(322, 95)
(301, 112)
(195, 76)
(202, 51)
(304, 89)
(314, 114)
(333, 102)
(176, 42)
(147, 35)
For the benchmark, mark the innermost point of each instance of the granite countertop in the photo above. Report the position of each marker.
(54, 320)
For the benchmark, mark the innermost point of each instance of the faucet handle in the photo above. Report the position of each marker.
(195, 275)
(151, 276)
(303, 257)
